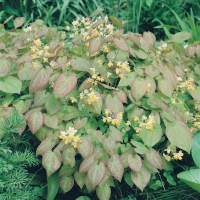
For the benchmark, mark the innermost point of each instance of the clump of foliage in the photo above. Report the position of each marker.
(106, 106)
(15, 159)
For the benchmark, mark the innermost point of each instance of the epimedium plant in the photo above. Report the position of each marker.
(105, 105)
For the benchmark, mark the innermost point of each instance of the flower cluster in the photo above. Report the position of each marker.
(27, 29)
(69, 137)
(89, 96)
(146, 122)
(162, 47)
(95, 77)
(172, 154)
(188, 84)
(115, 121)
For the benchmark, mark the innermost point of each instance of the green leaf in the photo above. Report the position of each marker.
(128, 180)
(181, 37)
(85, 147)
(117, 55)
(64, 85)
(80, 64)
(52, 186)
(191, 178)
(165, 87)
(66, 183)
(5, 66)
(138, 88)
(52, 105)
(25, 71)
(19, 21)
(115, 167)
(108, 144)
(51, 121)
(134, 162)
(142, 178)
(96, 173)
(35, 121)
(196, 149)
(149, 3)
(140, 53)
(96, 12)
(51, 161)
(83, 198)
(127, 80)
(140, 148)
(40, 80)
(68, 157)
(80, 178)
(66, 170)
(179, 135)
(121, 44)
(103, 192)
(154, 158)
(152, 137)
(115, 134)
(10, 84)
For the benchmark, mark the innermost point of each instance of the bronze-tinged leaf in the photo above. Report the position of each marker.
(190, 51)
(80, 179)
(97, 23)
(196, 93)
(66, 170)
(171, 76)
(53, 44)
(140, 53)
(154, 158)
(179, 135)
(68, 156)
(181, 37)
(103, 192)
(115, 134)
(35, 121)
(25, 71)
(115, 167)
(113, 104)
(94, 45)
(40, 98)
(121, 95)
(165, 87)
(19, 21)
(124, 156)
(134, 39)
(144, 44)
(51, 161)
(78, 41)
(26, 57)
(85, 85)
(23, 106)
(47, 144)
(96, 174)
(88, 185)
(150, 38)
(198, 50)
(80, 123)
(51, 121)
(52, 105)
(40, 80)
(96, 12)
(116, 22)
(179, 71)
(85, 147)
(138, 88)
(64, 85)
(121, 44)
(87, 163)
(108, 144)
(5, 66)
(60, 62)
(80, 64)
(142, 178)
(31, 111)
(66, 183)
(134, 162)
(151, 71)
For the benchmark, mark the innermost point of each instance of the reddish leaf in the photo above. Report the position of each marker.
(115, 134)
(134, 39)
(5, 66)
(121, 44)
(51, 121)
(85, 147)
(154, 158)
(94, 45)
(134, 162)
(85, 85)
(25, 71)
(87, 163)
(142, 178)
(51, 161)
(195, 93)
(121, 95)
(19, 21)
(150, 38)
(40, 80)
(80, 123)
(96, 174)
(165, 87)
(181, 37)
(66, 183)
(108, 144)
(64, 84)
(40, 98)
(23, 106)
(35, 121)
(115, 167)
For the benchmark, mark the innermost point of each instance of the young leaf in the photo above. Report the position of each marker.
(96, 173)
(103, 192)
(138, 88)
(80, 123)
(94, 45)
(80, 64)
(142, 178)
(35, 121)
(40, 80)
(128, 180)
(179, 135)
(115, 167)
(64, 85)
(66, 170)
(5, 66)
(181, 37)
(85, 147)
(66, 183)
(115, 134)
(121, 44)
(25, 71)
(121, 95)
(80, 178)
(52, 105)
(68, 156)
(134, 162)
(19, 21)
(150, 37)
(196, 149)
(97, 12)
(51, 161)
(51, 121)
(87, 163)
(165, 87)
(154, 158)
(108, 144)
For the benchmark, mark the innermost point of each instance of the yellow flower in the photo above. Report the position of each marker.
(110, 64)
(45, 60)
(119, 116)
(128, 123)
(135, 118)
(37, 42)
(33, 49)
(46, 48)
(167, 157)
(108, 119)
(107, 112)
(118, 64)
(137, 130)
(104, 119)
(89, 80)
(5, 105)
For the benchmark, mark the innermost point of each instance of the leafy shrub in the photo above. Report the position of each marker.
(105, 105)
